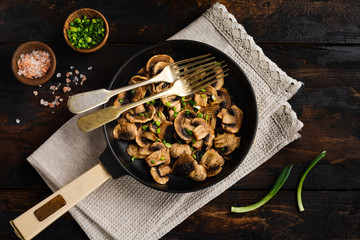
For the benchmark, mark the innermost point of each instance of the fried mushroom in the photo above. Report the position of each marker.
(177, 149)
(144, 138)
(156, 59)
(199, 174)
(142, 117)
(231, 118)
(161, 156)
(133, 151)
(125, 131)
(184, 165)
(157, 177)
(211, 159)
(203, 131)
(182, 124)
(226, 143)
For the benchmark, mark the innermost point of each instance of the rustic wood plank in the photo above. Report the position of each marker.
(267, 21)
(278, 219)
(323, 104)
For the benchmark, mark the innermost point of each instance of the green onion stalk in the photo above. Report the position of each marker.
(278, 184)
(307, 170)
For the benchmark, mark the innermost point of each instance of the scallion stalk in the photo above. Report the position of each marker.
(278, 184)
(302, 179)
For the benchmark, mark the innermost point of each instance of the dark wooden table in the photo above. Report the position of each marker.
(316, 42)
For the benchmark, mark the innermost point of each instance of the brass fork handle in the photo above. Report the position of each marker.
(83, 102)
(96, 119)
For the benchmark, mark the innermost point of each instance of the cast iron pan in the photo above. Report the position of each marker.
(116, 159)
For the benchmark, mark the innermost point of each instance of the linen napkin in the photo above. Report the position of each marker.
(126, 209)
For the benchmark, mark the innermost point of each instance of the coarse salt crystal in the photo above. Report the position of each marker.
(35, 93)
(76, 71)
(90, 68)
(58, 75)
(71, 67)
(17, 121)
(66, 89)
(52, 87)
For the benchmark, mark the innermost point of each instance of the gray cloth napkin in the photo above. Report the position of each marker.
(126, 209)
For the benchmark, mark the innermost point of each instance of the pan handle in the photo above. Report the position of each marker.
(36, 219)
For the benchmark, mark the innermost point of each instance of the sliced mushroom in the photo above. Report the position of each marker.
(201, 99)
(143, 72)
(220, 82)
(213, 171)
(157, 146)
(198, 144)
(144, 138)
(223, 98)
(142, 117)
(121, 99)
(177, 149)
(139, 92)
(182, 124)
(226, 143)
(126, 131)
(157, 177)
(167, 132)
(231, 118)
(211, 159)
(139, 109)
(203, 131)
(157, 58)
(158, 67)
(133, 151)
(161, 156)
(145, 150)
(164, 170)
(199, 174)
(184, 165)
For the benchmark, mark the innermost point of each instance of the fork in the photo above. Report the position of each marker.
(83, 102)
(184, 86)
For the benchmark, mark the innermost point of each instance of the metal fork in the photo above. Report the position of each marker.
(83, 102)
(186, 85)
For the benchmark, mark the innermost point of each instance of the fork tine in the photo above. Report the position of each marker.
(199, 83)
(191, 64)
(210, 81)
(202, 67)
(197, 75)
(201, 77)
(190, 59)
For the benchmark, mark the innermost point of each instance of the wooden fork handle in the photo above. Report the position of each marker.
(36, 219)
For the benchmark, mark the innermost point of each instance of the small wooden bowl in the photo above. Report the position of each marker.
(27, 48)
(90, 13)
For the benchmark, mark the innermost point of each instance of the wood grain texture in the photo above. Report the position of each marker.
(314, 41)
(276, 21)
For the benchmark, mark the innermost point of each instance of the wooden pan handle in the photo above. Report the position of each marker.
(36, 219)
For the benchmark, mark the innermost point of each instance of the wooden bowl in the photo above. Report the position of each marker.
(90, 13)
(27, 48)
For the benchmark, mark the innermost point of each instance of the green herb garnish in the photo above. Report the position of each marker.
(132, 158)
(175, 114)
(302, 179)
(192, 102)
(203, 90)
(206, 117)
(193, 141)
(145, 127)
(168, 145)
(141, 114)
(158, 130)
(168, 104)
(278, 184)
(194, 156)
(200, 115)
(203, 95)
(121, 100)
(174, 108)
(162, 158)
(157, 123)
(159, 114)
(146, 115)
(152, 161)
(183, 103)
(85, 32)
(132, 91)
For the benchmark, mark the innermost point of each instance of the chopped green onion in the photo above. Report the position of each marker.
(213, 98)
(278, 184)
(189, 132)
(141, 114)
(192, 102)
(193, 141)
(133, 91)
(187, 111)
(182, 109)
(192, 149)
(168, 145)
(121, 100)
(158, 130)
(183, 99)
(159, 114)
(152, 161)
(200, 115)
(203, 90)
(183, 103)
(168, 104)
(302, 179)
(222, 149)
(146, 115)
(157, 123)
(132, 158)
(145, 127)
(194, 156)
(206, 117)
(174, 108)
(162, 158)
(203, 95)
(175, 114)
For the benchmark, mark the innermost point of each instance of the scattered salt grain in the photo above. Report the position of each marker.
(17, 121)
(58, 75)
(34, 64)
(68, 80)
(52, 112)
(90, 68)
(35, 93)
(66, 89)
(52, 87)
(40, 85)
(76, 71)
(71, 67)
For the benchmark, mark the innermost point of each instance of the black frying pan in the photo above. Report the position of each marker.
(116, 159)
